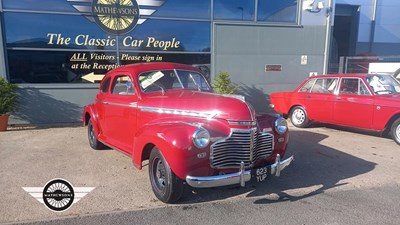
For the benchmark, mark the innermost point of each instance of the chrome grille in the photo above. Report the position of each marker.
(245, 145)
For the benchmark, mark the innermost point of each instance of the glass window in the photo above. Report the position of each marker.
(191, 59)
(307, 86)
(363, 89)
(169, 80)
(191, 80)
(59, 66)
(383, 84)
(169, 35)
(106, 84)
(195, 9)
(325, 85)
(35, 30)
(27, 66)
(44, 31)
(234, 10)
(349, 86)
(277, 11)
(122, 85)
(46, 5)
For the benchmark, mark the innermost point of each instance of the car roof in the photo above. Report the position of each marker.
(358, 75)
(142, 67)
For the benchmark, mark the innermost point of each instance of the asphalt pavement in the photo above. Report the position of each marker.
(340, 176)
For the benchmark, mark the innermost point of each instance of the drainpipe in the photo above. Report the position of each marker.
(327, 36)
(373, 25)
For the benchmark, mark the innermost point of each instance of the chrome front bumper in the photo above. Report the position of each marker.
(236, 178)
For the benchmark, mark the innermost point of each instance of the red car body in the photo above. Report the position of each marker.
(171, 118)
(344, 99)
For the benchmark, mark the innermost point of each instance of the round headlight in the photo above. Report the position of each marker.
(281, 125)
(201, 138)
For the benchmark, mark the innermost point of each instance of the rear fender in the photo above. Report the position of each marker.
(89, 113)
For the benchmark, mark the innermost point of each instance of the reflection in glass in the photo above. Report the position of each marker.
(33, 30)
(188, 36)
(26, 66)
(165, 80)
(39, 5)
(277, 10)
(194, 9)
(234, 10)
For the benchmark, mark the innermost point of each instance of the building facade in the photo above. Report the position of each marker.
(57, 51)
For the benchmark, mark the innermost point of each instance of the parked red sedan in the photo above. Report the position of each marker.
(367, 101)
(167, 114)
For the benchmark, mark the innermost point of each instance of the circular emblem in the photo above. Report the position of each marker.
(58, 195)
(116, 16)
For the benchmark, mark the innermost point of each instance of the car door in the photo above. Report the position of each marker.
(121, 112)
(354, 104)
(320, 100)
(100, 106)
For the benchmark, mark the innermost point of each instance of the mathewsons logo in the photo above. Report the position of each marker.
(116, 16)
(58, 194)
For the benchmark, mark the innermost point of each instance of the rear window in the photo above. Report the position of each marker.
(105, 85)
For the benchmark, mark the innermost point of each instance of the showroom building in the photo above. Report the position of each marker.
(57, 51)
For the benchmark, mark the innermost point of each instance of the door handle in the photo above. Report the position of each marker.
(338, 98)
(308, 96)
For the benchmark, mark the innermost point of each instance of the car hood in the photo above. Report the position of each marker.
(199, 104)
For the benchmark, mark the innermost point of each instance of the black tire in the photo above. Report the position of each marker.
(92, 136)
(166, 186)
(395, 131)
(298, 117)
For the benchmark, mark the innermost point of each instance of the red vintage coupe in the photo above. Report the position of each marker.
(366, 101)
(166, 113)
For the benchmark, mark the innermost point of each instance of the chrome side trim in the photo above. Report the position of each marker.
(235, 178)
(130, 105)
(242, 122)
(207, 114)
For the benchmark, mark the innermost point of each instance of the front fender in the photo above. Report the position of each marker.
(266, 124)
(174, 140)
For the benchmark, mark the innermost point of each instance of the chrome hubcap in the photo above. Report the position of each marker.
(160, 174)
(397, 132)
(298, 116)
(91, 135)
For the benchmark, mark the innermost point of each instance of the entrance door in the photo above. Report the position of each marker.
(345, 34)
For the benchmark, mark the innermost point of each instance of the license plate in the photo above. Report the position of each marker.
(261, 174)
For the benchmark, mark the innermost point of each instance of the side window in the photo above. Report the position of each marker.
(353, 86)
(307, 86)
(363, 88)
(122, 85)
(349, 86)
(325, 85)
(105, 85)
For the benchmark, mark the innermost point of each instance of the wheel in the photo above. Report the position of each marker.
(298, 117)
(94, 143)
(395, 131)
(166, 186)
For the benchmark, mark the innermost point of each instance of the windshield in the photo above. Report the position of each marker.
(383, 84)
(163, 80)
